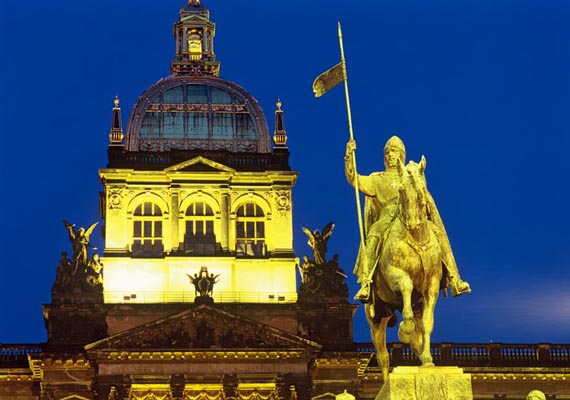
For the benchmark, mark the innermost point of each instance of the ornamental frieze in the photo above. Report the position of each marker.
(150, 394)
(177, 107)
(257, 394)
(204, 394)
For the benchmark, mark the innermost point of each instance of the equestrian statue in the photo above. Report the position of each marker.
(405, 259)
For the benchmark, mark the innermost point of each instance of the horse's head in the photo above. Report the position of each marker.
(413, 194)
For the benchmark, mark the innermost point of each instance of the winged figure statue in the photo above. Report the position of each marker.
(80, 240)
(318, 242)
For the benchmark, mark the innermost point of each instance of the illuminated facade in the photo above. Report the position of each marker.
(200, 299)
(195, 182)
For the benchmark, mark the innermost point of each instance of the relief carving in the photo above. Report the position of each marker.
(150, 394)
(283, 202)
(204, 394)
(203, 329)
(115, 199)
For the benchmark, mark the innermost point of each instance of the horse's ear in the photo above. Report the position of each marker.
(423, 164)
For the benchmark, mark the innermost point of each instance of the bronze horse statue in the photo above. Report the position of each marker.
(409, 273)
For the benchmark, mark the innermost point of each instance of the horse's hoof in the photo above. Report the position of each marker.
(407, 327)
(404, 338)
(406, 330)
(428, 364)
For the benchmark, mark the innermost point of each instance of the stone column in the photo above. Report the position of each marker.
(174, 228)
(225, 221)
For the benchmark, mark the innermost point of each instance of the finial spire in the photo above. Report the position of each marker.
(279, 135)
(116, 135)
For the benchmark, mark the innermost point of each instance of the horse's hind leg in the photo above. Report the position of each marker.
(378, 334)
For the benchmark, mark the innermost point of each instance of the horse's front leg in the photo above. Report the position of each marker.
(400, 282)
(427, 322)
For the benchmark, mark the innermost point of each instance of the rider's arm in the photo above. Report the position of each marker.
(364, 182)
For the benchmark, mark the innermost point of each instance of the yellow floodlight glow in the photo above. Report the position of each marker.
(166, 280)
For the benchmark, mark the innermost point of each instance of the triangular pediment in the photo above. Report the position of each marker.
(203, 328)
(196, 17)
(199, 164)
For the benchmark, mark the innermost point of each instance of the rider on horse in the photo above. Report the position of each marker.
(381, 206)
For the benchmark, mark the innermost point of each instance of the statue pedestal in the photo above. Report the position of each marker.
(427, 383)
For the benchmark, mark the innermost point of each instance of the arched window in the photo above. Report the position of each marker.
(147, 230)
(199, 238)
(250, 230)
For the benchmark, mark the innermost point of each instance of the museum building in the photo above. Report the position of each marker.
(200, 298)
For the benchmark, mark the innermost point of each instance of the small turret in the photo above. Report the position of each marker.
(194, 33)
(279, 134)
(116, 135)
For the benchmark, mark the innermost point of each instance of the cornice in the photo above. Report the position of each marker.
(198, 356)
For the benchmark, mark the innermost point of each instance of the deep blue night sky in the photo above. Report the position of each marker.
(481, 88)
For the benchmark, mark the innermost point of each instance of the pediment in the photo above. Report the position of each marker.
(199, 164)
(195, 17)
(203, 328)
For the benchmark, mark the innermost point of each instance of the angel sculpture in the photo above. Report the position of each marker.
(80, 241)
(318, 242)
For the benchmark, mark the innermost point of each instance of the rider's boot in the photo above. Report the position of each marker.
(363, 294)
(458, 287)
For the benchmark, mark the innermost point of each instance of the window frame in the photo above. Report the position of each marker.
(250, 230)
(148, 230)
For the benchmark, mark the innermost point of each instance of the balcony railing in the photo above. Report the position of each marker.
(457, 354)
(190, 296)
(482, 355)
(16, 355)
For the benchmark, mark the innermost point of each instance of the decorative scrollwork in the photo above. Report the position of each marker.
(204, 395)
(257, 394)
(150, 394)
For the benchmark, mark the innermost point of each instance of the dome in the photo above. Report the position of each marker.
(197, 113)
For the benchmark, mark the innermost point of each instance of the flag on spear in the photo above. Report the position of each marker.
(328, 79)
(325, 82)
